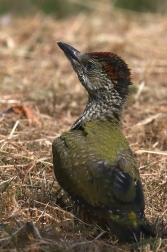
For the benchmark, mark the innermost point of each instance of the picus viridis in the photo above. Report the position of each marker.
(93, 161)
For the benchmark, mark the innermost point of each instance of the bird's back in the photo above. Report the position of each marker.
(87, 161)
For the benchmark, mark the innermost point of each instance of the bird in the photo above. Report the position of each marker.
(92, 161)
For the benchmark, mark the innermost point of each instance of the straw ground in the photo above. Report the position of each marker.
(40, 97)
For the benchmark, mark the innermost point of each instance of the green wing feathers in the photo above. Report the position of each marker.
(96, 165)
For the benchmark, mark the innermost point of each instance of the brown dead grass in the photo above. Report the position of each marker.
(35, 73)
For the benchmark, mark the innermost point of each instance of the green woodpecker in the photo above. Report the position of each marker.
(93, 161)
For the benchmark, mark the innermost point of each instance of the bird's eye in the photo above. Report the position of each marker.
(90, 66)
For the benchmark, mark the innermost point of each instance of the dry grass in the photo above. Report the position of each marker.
(35, 73)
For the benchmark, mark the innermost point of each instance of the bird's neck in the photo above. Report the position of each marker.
(100, 110)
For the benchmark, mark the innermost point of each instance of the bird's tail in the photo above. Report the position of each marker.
(133, 228)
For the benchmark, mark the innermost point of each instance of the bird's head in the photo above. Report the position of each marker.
(105, 76)
(101, 73)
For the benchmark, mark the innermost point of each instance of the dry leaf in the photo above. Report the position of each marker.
(25, 111)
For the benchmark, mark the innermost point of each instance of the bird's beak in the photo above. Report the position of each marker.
(71, 53)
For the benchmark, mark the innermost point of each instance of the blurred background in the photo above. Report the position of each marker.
(66, 8)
